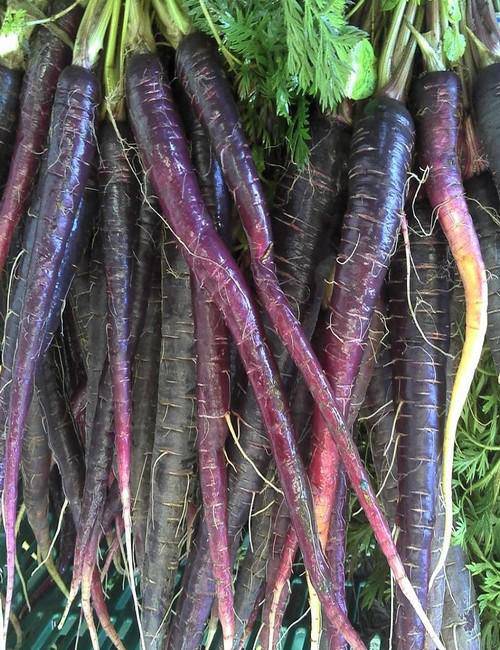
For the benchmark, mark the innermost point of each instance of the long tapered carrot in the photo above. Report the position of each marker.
(205, 83)
(49, 55)
(159, 136)
(437, 113)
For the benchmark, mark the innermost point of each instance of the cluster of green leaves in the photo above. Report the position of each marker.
(284, 53)
(476, 492)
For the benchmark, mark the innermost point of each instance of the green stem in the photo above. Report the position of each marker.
(113, 79)
(137, 34)
(58, 15)
(432, 57)
(405, 33)
(385, 64)
(90, 38)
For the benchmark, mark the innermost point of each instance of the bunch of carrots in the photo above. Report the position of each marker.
(192, 358)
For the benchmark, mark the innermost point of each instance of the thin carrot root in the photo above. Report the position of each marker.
(315, 613)
(87, 608)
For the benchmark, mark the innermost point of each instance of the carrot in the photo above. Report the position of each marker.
(420, 326)
(484, 207)
(62, 436)
(329, 488)
(437, 105)
(10, 87)
(199, 73)
(306, 203)
(48, 56)
(377, 414)
(461, 625)
(161, 139)
(76, 239)
(174, 444)
(145, 400)
(71, 150)
(119, 204)
(35, 466)
(213, 388)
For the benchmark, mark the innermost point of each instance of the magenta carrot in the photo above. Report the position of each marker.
(437, 112)
(213, 389)
(48, 56)
(159, 139)
(71, 150)
(308, 204)
(199, 73)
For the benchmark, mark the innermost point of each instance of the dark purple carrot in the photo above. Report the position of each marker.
(71, 151)
(145, 400)
(48, 56)
(307, 205)
(437, 113)
(377, 415)
(76, 239)
(213, 385)
(461, 625)
(484, 207)
(483, 22)
(10, 87)
(62, 435)
(159, 137)
(329, 489)
(35, 467)
(386, 145)
(174, 444)
(420, 331)
(119, 212)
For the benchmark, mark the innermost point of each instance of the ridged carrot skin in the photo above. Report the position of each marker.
(419, 384)
(307, 205)
(378, 417)
(380, 157)
(10, 88)
(484, 204)
(76, 240)
(62, 436)
(205, 83)
(35, 468)
(437, 113)
(159, 140)
(71, 151)
(461, 628)
(213, 386)
(486, 104)
(145, 400)
(119, 213)
(48, 57)
(174, 449)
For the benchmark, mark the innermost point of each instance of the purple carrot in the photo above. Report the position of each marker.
(48, 56)
(213, 388)
(437, 115)
(159, 136)
(420, 327)
(380, 162)
(119, 205)
(10, 87)
(71, 151)
(308, 204)
(145, 400)
(173, 457)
